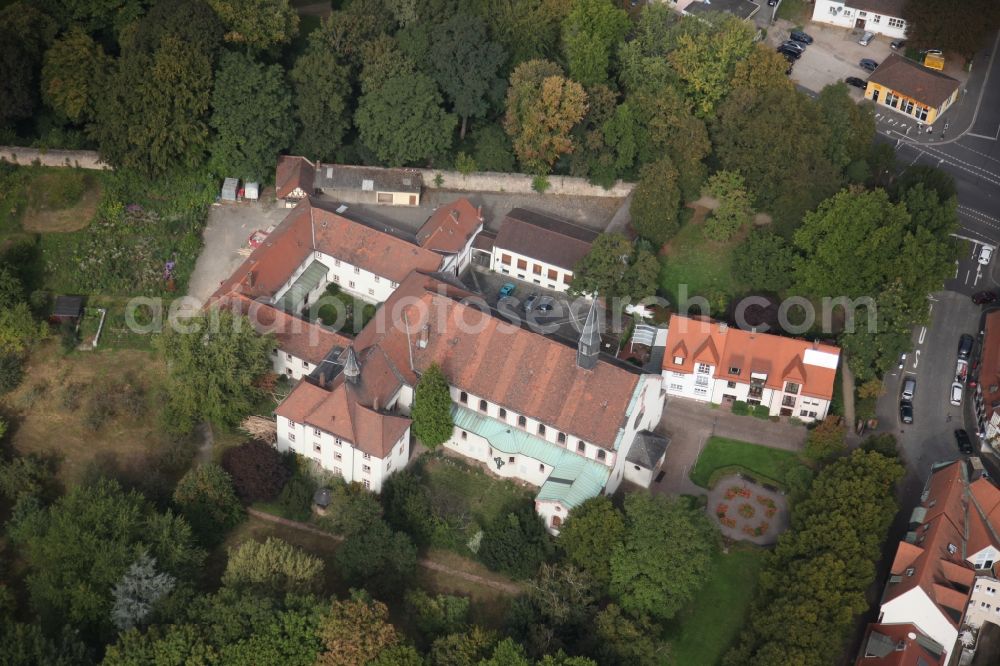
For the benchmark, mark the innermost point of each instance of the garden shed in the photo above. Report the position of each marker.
(252, 192)
(229, 187)
(67, 308)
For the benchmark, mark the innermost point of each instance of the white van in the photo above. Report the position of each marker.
(909, 388)
(956, 394)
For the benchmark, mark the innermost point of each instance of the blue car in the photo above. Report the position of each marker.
(507, 289)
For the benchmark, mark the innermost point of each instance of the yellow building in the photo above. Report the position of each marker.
(910, 88)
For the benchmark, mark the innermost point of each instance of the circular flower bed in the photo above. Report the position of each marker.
(756, 531)
(738, 491)
(746, 510)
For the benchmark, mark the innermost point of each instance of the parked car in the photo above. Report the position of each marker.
(909, 388)
(507, 289)
(897, 45)
(800, 36)
(772, 3)
(789, 53)
(984, 297)
(985, 255)
(529, 302)
(868, 64)
(545, 305)
(790, 44)
(956, 394)
(963, 442)
(965, 345)
(866, 38)
(856, 82)
(906, 412)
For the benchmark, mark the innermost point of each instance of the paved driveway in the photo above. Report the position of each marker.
(227, 231)
(690, 423)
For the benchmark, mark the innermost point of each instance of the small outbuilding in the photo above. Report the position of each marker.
(229, 188)
(321, 500)
(645, 458)
(251, 191)
(67, 309)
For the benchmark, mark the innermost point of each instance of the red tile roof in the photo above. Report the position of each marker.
(897, 645)
(700, 340)
(309, 228)
(291, 173)
(450, 227)
(912, 79)
(935, 562)
(517, 369)
(298, 337)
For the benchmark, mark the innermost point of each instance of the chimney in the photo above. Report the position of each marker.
(375, 404)
(479, 213)
(723, 327)
(424, 336)
(589, 345)
(352, 369)
(753, 332)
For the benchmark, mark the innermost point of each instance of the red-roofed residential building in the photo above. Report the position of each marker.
(943, 578)
(529, 407)
(899, 645)
(713, 362)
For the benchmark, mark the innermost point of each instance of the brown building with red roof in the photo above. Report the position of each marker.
(987, 397)
(943, 578)
(539, 248)
(714, 362)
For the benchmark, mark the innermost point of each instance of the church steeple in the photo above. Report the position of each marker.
(352, 369)
(589, 345)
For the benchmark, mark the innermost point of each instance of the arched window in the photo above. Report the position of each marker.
(556, 522)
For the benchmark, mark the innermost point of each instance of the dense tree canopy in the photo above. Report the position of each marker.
(590, 33)
(215, 369)
(614, 267)
(656, 202)
(73, 76)
(589, 535)
(252, 117)
(205, 496)
(257, 24)
(964, 29)
(322, 91)
(432, 422)
(25, 33)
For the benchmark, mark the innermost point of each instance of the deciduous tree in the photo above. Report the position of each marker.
(826, 441)
(257, 24)
(962, 30)
(850, 126)
(590, 34)
(377, 559)
(274, 567)
(205, 496)
(542, 108)
(322, 91)
(705, 58)
(614, 268)
(355, 632)
(258, 471)
(733, 212)
(663, 559)
(589, 536)
(215, 369)
(73, 75)
(25, 33)
(432, 422)
(436, 616)
(252, 116)
(764, 262)
(403, 121)
(656, 202)
(515, 542)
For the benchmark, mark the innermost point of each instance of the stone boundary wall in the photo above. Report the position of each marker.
(519, 183)
(83, 159)
(482, 181)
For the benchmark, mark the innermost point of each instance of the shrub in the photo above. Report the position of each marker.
(352, 509)
(258, 470)
(274, 567)
(205, 496)
(465, 164)
(11, 371)
(296, 497)
(540, 184)
(70, 396)
(378, 559)
(438, 615)
(515, 543)
(741, 408)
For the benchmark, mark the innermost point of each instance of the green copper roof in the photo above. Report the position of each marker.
(311, 278)
(574, 479)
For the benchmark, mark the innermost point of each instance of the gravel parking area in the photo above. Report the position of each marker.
(833, 55)
(227, 231)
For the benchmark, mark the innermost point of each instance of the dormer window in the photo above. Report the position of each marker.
(678, 360)
(911, 571)
(463, 397)
(704, 368)
(792, 387)
(541, 430)
(735, 371)
(522, 422)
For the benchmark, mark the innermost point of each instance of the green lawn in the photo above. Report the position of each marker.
(793, 10)
(722, 454)
(704, 265)
(707, 627)
(462, 488)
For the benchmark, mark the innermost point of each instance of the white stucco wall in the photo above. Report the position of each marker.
(842, 14)
(645, 413)
(338, 456)
(527, 274)
(915, 606)
(289, 365)
(984, 604)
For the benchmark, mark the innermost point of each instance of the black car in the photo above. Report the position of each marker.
(798, 46)
(897, 45)
(984, 297)
(965, 344)
(799, 36)
(906, 411)
(963, 441)
(868, 64)
(856, 82)
(789, 53)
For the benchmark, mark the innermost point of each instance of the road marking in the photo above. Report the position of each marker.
(923, 332)
(956, 271)
(917, 157)
(909, 372)
(988, 176)
(975, 246)
(980, 213)
(967, 274)
(916, 359)
(973, 150)
(981, 136)
(979, 274)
